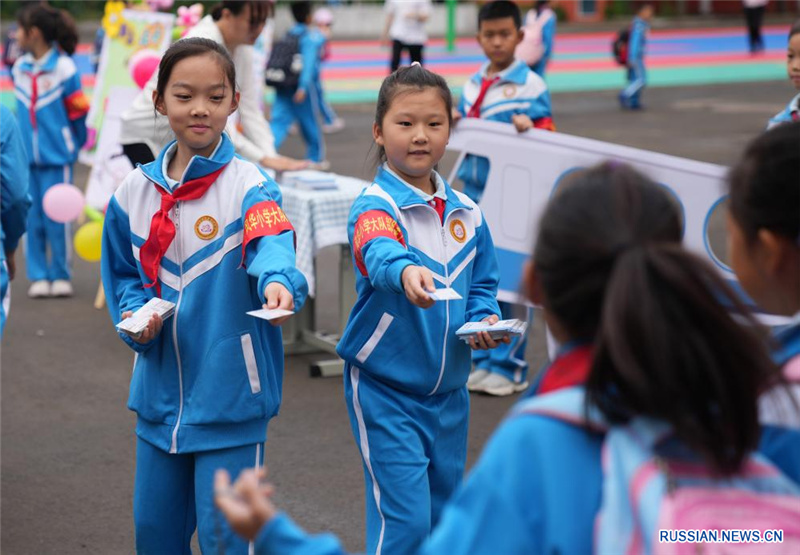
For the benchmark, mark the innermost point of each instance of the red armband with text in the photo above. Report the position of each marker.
(371, 225)
(77, 105)
(262, 219)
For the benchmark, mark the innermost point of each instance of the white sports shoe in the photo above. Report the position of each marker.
(500, 386)
(475, 379)
(61, 288)
(334, 127)
(39, 289)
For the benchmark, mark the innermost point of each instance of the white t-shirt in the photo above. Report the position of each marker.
(405, 26)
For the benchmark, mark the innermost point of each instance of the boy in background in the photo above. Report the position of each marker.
(637, 77)
(503, 90)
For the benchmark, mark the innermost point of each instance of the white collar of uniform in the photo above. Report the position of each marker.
(439, 193)
(503, 75)
(173, 148)
(39, 62)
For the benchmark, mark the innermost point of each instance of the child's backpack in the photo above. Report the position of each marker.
(285, 63)
(619, 46)
(531, 49)
(653, 487)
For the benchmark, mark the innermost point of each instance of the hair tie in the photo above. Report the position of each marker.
(415, 64)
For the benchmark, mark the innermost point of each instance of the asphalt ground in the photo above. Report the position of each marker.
(67, 440)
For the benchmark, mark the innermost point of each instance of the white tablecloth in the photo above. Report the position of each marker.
(319, 219)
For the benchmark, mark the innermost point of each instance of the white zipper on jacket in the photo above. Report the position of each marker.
(174, 445)
(447, 302)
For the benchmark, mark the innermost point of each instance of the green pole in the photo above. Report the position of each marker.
(451, 25)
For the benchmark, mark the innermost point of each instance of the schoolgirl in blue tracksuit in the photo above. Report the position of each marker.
(629, 98)
(792, 110)
(301, 105)
(51, 113)
(14, 203)
(216, 243)
(405, 369)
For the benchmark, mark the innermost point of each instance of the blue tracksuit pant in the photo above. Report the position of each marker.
(507, 359)
(44, 233)
(414, 448)
(325, 109)
(174, 494)
(307, 115)
(637, 79)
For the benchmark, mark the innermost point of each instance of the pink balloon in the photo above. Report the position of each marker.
(142, 65)
(63, 203)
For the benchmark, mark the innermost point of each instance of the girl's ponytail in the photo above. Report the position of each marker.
(55, 25)
(66, 33)
(672, 346)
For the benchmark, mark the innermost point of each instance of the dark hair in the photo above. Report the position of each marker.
(500, 9)
(794, 29)
(260, 10)
(406, 79)
(55, 25)
(541, 4)
(613, 272)
(186, 48)
(301, 11)
(765, 184)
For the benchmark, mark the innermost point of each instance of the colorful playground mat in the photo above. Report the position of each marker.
(582, 62)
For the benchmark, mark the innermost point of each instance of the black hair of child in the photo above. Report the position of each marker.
(500, 9)
(667, 344)
(187, 48)
(259, 10)
(301, 11)
(765, 184)
(55, 25)
(794, 29)
(413, 78)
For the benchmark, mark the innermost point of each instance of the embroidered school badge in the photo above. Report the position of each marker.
(510, 91)
(458, 231)
(206, 228)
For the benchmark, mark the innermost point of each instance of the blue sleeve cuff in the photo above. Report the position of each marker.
(394, 275)
(282, 535)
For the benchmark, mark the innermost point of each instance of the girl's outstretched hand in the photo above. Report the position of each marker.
(417, 283)
(246, 504)
(278, 297)
(483, 341)
(151, 331)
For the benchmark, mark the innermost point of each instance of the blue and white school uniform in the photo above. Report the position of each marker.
(14, 200)
(517, 90)
(637, 76)
(548, 26)
(205, 388)
(536, 488)
(326, 110)
(285, 111)
(51, 113)
(782, 407)
(789, 114)
(405, 369)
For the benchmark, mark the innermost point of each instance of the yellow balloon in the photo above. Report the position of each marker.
(88, 241)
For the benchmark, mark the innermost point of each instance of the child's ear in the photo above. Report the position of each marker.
(235, 102)
(158, 102)
(377, 134)
(533, 287)
(777, 251)
(520, 35)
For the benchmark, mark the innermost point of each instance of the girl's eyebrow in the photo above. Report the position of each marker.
(189, 86)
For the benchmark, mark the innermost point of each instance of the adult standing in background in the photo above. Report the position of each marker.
(405, 26)
(236, 25)
(754, 14)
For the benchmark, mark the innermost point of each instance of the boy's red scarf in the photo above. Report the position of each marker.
(162, 230)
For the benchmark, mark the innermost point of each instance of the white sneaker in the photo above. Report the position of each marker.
(334, 127)
(39, 289)
(475, 379)
(61, 288)
(500, 386)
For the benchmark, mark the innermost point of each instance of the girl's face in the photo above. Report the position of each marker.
(197, 100)
(24, 38)
(414, 132)
(793, 60)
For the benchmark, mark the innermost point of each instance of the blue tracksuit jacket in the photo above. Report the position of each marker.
(788, 114)
(212, 378)
(51, 108)
(413, 349)
(14, 198)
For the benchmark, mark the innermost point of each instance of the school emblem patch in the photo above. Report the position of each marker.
(206, 227)
(510, 90)
(458, 231)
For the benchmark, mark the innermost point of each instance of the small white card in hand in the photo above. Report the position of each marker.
(446, 294)
(496, 330)
(137, 323)
(270, 313)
